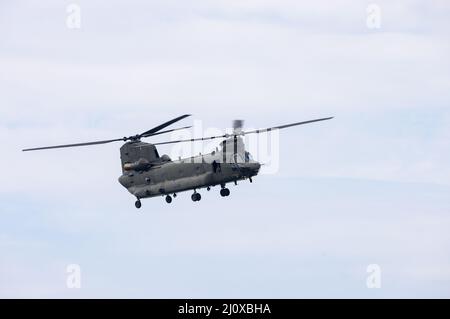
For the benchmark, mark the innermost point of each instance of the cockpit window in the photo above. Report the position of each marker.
(248, 157)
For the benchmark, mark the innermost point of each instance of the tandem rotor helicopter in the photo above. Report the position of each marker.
(147, 174)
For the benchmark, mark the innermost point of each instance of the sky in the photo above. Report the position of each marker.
(370, 187)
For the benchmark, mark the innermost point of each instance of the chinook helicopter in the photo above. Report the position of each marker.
(147, 174)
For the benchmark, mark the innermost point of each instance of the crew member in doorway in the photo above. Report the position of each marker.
(216, 167)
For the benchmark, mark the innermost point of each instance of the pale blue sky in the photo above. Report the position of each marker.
(370, 187)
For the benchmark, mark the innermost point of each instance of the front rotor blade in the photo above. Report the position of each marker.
(160, 127)
(244, 133)
(72, 145)
(286, 126)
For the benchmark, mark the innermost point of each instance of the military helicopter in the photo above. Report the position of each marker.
(147, 174)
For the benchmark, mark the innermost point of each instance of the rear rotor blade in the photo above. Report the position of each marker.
(160, 127)
(194, 139)
(153, 131)
(73, 145)
(166, 131)
(244, 133)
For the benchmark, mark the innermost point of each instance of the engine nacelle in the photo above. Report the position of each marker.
(140, 165)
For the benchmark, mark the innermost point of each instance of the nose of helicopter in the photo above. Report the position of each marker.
(251, 169)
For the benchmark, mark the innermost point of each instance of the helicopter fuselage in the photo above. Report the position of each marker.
(174, 177)
(164, 176)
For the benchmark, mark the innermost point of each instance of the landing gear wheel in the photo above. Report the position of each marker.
(196, 197)
(138, 204)
(168, 199)
(224, 192)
